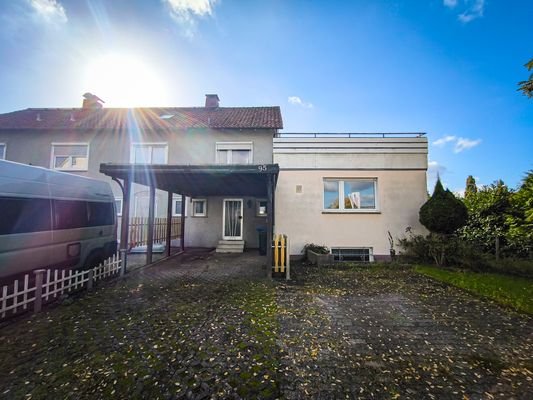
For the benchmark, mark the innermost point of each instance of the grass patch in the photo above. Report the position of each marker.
(504, 289)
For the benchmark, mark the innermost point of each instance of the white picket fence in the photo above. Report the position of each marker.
(47, 285)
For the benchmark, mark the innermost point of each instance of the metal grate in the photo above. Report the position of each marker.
(359, 254)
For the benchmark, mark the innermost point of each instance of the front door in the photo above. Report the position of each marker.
(232, 219)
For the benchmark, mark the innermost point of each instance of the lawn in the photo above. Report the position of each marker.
(504, 289)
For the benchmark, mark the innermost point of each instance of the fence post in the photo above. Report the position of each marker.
(38, 304)
(90, 279)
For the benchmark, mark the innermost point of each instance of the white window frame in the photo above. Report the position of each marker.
(53, 156)
(194, 214)
(147, 144)
(119, 209)
(175, 199)
(230, 146)
(257, 205)
(3, 154)
(341, 209)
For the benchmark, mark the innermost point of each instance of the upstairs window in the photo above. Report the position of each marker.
(234, 153)
(149, 153)
(350, 195)
(70, 156)
(2, 151)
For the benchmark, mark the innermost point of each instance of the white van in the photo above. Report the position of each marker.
(52, 219)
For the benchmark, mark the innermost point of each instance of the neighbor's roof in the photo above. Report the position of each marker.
(144, 118)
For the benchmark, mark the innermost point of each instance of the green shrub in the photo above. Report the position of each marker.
(442, 250)
(319, 249)
(443, 213)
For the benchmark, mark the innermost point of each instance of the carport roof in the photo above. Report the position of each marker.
(198, 180)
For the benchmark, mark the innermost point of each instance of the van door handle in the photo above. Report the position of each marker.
(100, 233)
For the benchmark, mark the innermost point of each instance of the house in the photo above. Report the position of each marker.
(228, 171)
(348, 191)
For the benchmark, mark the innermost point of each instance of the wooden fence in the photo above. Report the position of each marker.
(281, 255)
(139, 230)
(45, 286)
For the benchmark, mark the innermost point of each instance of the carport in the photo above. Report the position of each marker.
(192, 181)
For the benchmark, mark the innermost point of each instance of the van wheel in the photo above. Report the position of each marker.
(93, 260)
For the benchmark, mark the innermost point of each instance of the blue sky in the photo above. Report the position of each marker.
(446, 67)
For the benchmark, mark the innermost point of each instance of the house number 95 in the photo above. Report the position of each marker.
(262, 168)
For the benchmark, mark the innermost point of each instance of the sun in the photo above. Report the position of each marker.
(123, 80)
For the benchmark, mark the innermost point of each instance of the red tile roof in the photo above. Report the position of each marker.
(144, 118)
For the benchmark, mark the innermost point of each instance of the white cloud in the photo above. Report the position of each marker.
(443, 140)
(297, 101)
(450, 3)
(49, 10)
(185, 12)
(460, 143)
(470, 9)
(465, 144)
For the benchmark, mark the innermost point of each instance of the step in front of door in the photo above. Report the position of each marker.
(230, 246)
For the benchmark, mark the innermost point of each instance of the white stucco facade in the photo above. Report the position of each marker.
(397, 166)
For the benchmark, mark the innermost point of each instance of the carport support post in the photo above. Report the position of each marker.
(270, 220)
(125, 225)
(169, 221)
(150, 235)
(182, 233)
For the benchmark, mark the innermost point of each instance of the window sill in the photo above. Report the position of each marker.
(351, 212)
(199, 216)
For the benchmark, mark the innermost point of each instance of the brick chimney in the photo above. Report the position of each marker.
(92, 102)
(211, 101)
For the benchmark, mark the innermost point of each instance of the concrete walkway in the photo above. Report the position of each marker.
(205, 265)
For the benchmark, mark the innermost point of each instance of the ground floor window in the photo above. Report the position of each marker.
(2, 151)
(261, 208)
(199, 207)
(358, 254)
(176, 206)
(350, 194)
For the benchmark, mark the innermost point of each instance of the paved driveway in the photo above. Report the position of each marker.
(368, 333)
(210, 326)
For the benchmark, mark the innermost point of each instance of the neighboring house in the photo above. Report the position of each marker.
(78, 140)
(343, 191)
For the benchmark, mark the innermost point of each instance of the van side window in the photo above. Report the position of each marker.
(70, 214)
(19, 215)
(100, 213)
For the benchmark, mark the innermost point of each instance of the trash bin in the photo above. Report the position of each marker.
(262, 234)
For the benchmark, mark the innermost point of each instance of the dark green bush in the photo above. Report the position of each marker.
(443, 213)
